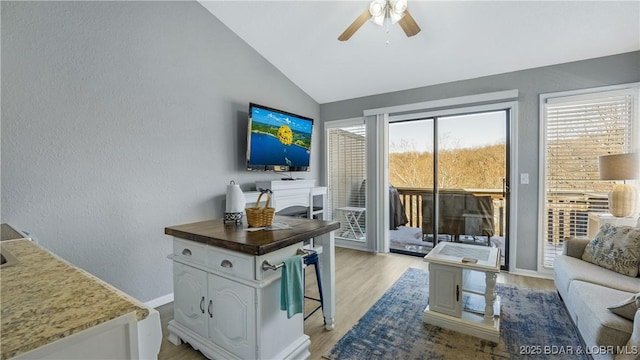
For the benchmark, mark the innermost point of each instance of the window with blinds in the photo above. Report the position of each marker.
(346, 167)
(577, 129)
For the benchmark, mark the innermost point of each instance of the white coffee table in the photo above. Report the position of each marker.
(455, 275)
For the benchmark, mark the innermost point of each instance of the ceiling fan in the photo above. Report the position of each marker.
(378, 11)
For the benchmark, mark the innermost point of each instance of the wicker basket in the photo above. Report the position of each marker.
(261, 216)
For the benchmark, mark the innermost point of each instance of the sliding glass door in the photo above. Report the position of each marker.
(451, 174)
(411, 171)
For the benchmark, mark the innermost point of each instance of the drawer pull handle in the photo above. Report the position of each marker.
(186, 252)
(209, 309)
(226, 264)
(202, 304)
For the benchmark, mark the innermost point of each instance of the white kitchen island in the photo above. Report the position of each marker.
(227, 295)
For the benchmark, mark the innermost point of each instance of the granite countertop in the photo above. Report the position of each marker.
(45, 299)
(239, 238)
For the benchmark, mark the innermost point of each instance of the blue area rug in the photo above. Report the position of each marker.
(534, 324)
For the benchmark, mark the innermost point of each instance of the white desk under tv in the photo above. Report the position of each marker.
(286, 194)
(451, 280)
(291, 194)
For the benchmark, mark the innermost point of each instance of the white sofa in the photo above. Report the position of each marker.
(587, 290)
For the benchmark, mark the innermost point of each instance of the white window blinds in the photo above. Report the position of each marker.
(581, 128)
(346, 171)
(577, 130)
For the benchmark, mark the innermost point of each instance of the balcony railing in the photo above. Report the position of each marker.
(567, 213)
(412, 200)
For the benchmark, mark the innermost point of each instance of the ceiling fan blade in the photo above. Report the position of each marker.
(408, 24)
(355, 26)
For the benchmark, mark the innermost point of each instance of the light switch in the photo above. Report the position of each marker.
(524, 178)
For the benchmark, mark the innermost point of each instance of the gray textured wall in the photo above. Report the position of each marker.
(618, 69)
(121, 118)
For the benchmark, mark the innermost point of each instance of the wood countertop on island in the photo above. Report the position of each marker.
(239, 238)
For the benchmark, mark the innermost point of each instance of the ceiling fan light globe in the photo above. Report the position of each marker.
(378, 12)
(398, 7)
(377, 8)
(378, 20)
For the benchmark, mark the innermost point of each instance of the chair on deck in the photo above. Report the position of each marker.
(478, 218)
(461, 214)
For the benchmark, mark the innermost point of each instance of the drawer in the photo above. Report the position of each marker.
(238, 265)
(190, 251)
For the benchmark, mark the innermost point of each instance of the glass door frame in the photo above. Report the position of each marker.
(435, 133)
(367, 244)
(436, 121)
(378, 147)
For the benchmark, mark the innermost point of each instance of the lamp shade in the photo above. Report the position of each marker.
(619, 167)
(623, 198)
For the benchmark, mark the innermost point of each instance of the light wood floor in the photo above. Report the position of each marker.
(361, 279)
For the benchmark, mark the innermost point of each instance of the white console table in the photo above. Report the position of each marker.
(598, 219)
(452, 269)
(292, 193)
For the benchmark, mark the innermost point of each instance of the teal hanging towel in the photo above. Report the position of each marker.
(292, 286)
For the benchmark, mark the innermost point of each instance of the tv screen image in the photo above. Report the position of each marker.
(278, 140)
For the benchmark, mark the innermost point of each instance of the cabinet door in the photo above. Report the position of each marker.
(189, 297)
(445, 289)
(232, 321)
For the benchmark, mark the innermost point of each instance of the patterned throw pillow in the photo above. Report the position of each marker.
(615, 248)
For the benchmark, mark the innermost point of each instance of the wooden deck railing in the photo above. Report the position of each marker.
(411, 199)
(567, 213)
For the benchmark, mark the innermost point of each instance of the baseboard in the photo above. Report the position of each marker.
(162, 300)
(531, 273)
(349, 244)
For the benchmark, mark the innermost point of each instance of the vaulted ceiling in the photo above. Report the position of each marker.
(459, 40)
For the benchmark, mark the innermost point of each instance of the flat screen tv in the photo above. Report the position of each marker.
(278, 140)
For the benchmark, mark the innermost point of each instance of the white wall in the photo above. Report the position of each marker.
(122, 118)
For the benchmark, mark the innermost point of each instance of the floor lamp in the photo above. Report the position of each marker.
(623, 198)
